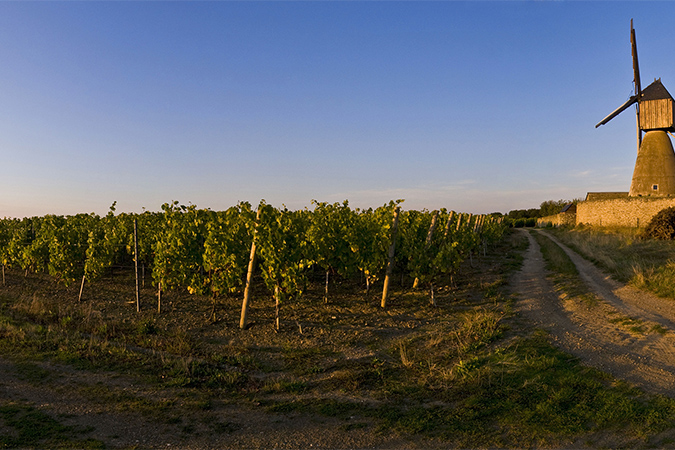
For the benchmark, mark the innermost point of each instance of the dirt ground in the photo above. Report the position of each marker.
(79, 398)
(626, 332)
(246, 427)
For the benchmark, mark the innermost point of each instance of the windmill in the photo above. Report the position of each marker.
(654, 173)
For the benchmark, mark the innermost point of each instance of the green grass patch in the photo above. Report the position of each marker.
(555, 257)
(527, 394)
(31, 428)
(32, 373)
(285, 386)
(630, 323)
(324, 407)
(563, 271)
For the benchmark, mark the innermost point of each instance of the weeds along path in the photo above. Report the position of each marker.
(620, 330)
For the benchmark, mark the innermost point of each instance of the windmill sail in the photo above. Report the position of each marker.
(636, 80)
(636, 67)
(618, 110)
(635, 99)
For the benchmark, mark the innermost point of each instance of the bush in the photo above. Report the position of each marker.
(662, 225)
(520, 223)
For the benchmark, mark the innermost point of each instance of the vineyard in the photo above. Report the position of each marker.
(263, 327)
(222, 253)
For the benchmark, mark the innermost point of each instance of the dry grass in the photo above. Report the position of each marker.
(646, 264)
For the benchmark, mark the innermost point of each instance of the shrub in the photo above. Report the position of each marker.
(662, 225)
(520, 223)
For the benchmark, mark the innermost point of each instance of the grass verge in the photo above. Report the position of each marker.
(644, 263)
(563, 271)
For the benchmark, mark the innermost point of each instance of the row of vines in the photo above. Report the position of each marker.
(215, 252)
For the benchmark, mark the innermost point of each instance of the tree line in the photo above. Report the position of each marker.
(547, 208)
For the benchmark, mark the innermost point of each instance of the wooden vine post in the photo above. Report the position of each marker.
(447, 225)
(276, 305)
(427, 243)
(325, 295)
(249, 275)
(138, 291)
(390, 261)
(79, 298)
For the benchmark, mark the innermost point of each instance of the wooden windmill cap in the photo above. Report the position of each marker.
(657, 109)
(655, 91)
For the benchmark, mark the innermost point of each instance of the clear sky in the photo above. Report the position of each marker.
(472, 106)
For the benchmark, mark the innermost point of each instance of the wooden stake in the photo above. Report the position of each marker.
(79, 298)
(159, 297)
(325, 295)
(276, 301)
(390, 262)
(138, 291)
(430, 235)
(447, 225)
(3, 275)
(249, 276)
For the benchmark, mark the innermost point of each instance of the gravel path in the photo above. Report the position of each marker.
(627, 333)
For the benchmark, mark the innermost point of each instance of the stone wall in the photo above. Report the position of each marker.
(557, 220)
(621, 212)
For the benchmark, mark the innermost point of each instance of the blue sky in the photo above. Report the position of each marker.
(472, 106)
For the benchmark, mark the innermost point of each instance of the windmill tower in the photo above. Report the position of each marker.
(654, 173)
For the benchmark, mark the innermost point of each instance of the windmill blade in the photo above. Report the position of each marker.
(636, 67)
(618, 110)
(636, 80)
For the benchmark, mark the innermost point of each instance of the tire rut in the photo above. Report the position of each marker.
(616, 334)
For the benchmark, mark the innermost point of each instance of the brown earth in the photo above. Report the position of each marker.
(238, 426)
(125, 410)
(624, 331)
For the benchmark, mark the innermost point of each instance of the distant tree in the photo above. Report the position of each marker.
(547, 208)
(551, 207)
(523, 213)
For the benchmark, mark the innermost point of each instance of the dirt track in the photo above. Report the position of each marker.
(627, 332)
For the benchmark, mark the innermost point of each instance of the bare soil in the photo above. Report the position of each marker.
(227, 426)
(626, 332)
(125, 409)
